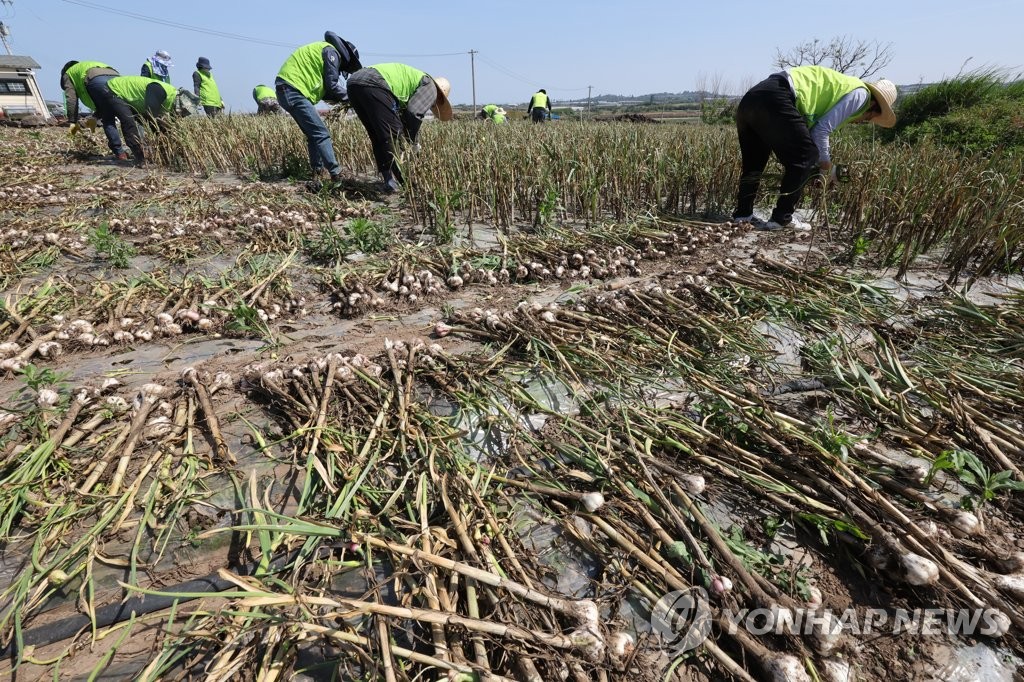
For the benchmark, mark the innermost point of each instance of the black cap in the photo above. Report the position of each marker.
(203, 63)
(346, 50)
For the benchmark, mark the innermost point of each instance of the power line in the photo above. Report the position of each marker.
(225, 34)
(523, 79)
(175, 24)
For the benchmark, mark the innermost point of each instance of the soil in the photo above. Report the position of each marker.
(321, 329)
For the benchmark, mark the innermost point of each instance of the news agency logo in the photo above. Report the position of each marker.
(681, 620)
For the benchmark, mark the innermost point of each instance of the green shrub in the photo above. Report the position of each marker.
(975, 113)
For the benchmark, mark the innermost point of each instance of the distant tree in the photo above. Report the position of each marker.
(860, 58)
(715, 106)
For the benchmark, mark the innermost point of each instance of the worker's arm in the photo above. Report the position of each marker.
(197, 82)
(335, 90)
(845, 108)
(155, 97)
(529, 107)
(146, 71)
(420, 102)
(70, 98)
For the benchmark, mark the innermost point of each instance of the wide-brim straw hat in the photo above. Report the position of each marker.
(442, 107)
(884, 92)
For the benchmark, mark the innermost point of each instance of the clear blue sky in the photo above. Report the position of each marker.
(631, 47)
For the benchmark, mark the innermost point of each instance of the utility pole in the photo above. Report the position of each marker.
(4, 30)
(589, 88)
(472, 69)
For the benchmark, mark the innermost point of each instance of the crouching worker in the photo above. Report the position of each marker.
(266, 100)
(792, 114)
(492, 113)
(391, 101)
(134, 99)
(313, 73)
(80, 81)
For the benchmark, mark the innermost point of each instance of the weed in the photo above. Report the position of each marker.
(973, 473)
(246, 319)
(369, 236)
(118, 251)
(327, 247)
(833, 438)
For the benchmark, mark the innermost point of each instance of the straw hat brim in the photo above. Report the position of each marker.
(886, 119)
(442, 107)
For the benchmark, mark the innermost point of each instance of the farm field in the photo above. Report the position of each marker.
(479, 430)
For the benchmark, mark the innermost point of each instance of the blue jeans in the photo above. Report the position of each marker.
(96, 87)
(318, 138)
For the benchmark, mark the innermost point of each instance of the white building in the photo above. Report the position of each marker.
(19, 92)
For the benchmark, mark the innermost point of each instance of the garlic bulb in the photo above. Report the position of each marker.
(918, 570)
(786, 668)
(592, 501)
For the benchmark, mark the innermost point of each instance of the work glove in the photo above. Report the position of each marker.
(90, 123)
(74, 129)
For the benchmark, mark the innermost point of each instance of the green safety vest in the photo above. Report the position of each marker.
(209, 94)
(304, 70)
(132, 89)
(492, 113)
(77, 75)
(818, 89)
(262, 92)
(401, 78)
(540, 100)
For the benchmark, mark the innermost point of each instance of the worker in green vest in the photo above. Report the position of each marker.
(158, 67)
(135, 99)
(266, 100)
(312, 73)
(492, 113)
(206, 88)
(540, 106)
(391, 101)
(792, 114)
(79, 80)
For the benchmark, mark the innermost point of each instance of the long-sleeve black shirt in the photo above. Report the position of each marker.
(335, 90)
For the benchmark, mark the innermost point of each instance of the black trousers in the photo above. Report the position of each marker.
(377, 109)
(767, 122)
(96, 87)
(115, 107)
(538, 114)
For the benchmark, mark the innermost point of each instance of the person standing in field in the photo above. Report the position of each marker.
(205, 88)
(312, 73)
(80, 81)
(133, 99)
(540, 106)
(792, 114)
(391, 100)
(158, 67)
(266, 100)
(492, 113)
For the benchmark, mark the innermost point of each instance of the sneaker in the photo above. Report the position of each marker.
(751, 220)
(123, 156)
(793, 224)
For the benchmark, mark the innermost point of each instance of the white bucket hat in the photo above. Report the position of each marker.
(164, 57)
(884, 92)
(442, 107)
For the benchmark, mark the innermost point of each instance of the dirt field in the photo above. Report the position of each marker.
(233, 298)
